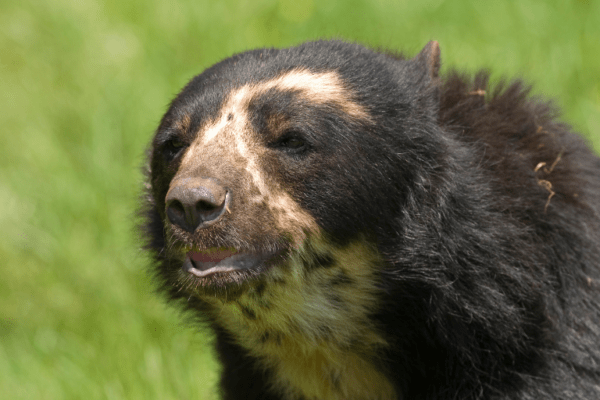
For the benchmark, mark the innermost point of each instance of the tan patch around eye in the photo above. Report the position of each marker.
(277, 123)
(184, 123)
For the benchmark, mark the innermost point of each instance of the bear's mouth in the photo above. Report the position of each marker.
(208, 262)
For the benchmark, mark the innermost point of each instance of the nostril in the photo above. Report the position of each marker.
(208, 211)
(176, 206)
(203, 206)
(176, 212)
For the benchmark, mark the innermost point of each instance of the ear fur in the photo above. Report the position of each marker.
(429, 60)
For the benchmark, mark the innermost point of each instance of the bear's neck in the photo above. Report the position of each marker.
(312, 327)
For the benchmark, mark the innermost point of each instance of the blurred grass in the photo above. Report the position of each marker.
(82, 86)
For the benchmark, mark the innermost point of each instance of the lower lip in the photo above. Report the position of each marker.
(236, 262)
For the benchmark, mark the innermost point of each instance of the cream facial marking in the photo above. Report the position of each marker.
(231, 132)
(319, 88)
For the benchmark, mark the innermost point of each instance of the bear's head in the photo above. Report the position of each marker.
(279, 155)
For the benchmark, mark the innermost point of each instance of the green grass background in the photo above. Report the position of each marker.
(83, 85)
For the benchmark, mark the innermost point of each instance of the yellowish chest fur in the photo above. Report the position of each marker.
(311, 327)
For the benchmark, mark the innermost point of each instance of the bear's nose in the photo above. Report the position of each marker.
(193, 203)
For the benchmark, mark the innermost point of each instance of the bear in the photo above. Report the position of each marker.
(353, 224)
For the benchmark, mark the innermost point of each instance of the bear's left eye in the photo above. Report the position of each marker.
(292, 143)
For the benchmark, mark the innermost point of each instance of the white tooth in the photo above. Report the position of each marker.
(209, 271)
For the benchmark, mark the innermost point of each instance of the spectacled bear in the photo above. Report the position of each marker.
(354, 225)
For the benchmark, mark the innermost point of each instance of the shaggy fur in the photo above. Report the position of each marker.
(379, 231)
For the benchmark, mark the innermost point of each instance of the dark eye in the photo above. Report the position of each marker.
(292, 143)
(172, 148)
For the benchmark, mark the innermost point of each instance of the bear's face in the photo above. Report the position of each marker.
(245, 183)
(251, 167)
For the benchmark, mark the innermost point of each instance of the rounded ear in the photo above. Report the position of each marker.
(429, 60)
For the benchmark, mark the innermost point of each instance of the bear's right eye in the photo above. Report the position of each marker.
(172, 148)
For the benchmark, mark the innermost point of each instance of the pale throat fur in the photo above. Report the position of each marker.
(308, 318)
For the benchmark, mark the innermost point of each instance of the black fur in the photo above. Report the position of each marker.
(485, 208)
